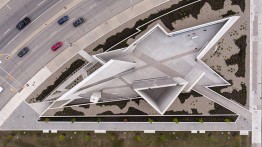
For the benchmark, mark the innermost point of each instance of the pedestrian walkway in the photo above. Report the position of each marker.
(32, 84)
(21, 119)
(225, 102)
(256, 69)
(3, 3)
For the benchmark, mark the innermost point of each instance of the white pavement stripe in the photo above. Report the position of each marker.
(31, 24)
(41, 3)
(92, 6)
(6, 31)
(8, 6)
(23, 17)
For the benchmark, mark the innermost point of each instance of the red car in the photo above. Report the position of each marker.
(56, 46)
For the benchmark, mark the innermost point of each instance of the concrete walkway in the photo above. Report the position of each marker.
(3, 3)
(225, 102)
(256, 69)
(82, 43)
(24, 116)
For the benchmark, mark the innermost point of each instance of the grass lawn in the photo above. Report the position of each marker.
(122, 139)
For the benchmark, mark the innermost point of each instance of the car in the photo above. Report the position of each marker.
(23, 23)
(1, 89)
(78, 22)
(56, 46)
(23, 52)
(63, 20)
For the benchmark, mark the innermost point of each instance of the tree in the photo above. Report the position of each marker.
(201, 120)
(112, 136)
(138, 137)
(73, 120)
(227, 120)
(150, 120)
(46, 120)
(98, 120)
(87, 138)
(162, 138)
(10, 137)
(212, 138)
(125, 120)
(175, 120)
(61, 137)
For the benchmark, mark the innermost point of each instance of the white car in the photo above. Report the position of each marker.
(1, 89)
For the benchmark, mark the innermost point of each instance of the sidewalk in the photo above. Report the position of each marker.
(68, 53)
(256, 68)
(3, 3)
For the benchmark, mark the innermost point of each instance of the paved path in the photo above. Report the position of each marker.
(225, 102)
(24, 118)
(80, 44)
(3, 3)
(256, 69)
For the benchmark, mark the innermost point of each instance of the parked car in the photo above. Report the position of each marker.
(78, 22)
(23, 23)
(23, 52)
(56, 46)
(1, 89)
(63, 20)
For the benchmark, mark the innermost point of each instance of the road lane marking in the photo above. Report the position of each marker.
(92, 6)
(53, 33)
(30, 24)
(41, 3)
(8, 6)
(7, 31)
(23, 17)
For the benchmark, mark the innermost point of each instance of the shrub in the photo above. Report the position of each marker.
(73, 120)
(87, 138)
(175, 120)
(162, 138)
(46, 120)
(61, 137)
(138, 138)
(213, 139)
(201, 120)
(150, 120)
(227, 120)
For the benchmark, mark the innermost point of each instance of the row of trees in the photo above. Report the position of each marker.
(175, 120)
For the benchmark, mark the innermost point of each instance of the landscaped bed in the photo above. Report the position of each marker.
(201, 119)
(73, 67)
(134, 109)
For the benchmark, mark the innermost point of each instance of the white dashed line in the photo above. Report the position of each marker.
(92, 6)
(41, 3)
(7, 31)
(8, 6)
(23, 17)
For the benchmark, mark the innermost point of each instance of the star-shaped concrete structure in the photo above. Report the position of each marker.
(157, 66)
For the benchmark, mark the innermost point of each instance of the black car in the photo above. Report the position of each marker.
(23, 23)
(63, 20)
(23, 52)
(78, 22)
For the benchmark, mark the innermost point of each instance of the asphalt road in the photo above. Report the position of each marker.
(22, 69)
(32, 8)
